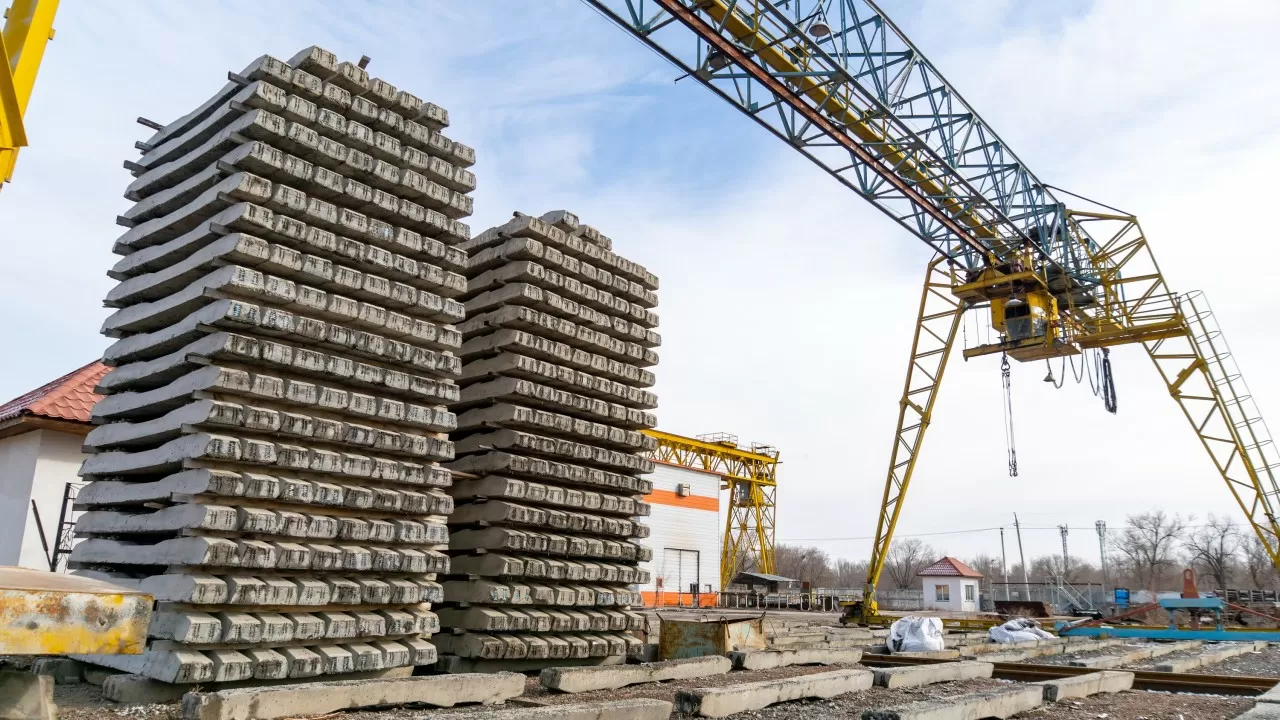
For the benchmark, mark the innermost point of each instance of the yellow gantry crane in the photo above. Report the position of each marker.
(751, 477)
(839, 82)
(28, 27)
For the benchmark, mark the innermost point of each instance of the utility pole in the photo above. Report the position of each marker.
(1101, 527)
(1026, 584)
(1062, 530)
(1004, 564)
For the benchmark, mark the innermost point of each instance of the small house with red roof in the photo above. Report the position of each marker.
(950, 585)
(40, 437)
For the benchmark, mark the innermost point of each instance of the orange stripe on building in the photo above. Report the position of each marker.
(661, 598)
(693, 502)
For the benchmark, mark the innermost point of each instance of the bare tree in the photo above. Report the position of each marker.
(1047, 567)
(806, 564)
(1257, 562)
(906, 559)
(849, 574)
(988, 565)
(1214, 549)
(1147, 544)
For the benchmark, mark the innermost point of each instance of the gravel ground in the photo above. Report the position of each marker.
(1261, 663)
(1133, 705)
(85, 702)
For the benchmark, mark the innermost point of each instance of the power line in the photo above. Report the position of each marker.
(1055, 528)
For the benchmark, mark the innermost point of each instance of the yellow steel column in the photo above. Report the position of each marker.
(28, 28)
(936, 325)
(750, 476)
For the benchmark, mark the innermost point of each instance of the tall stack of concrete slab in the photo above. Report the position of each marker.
(549, 477)
(267, 461)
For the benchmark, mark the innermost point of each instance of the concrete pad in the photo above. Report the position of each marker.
(64, 671)
(764, 659)
(320, 698)
(1132, 656)
(1001, 703)
(639, 709)
(1107, 681)
(1216, 654)
(132, 689)
(24, 696)
(584, 679)
(935, 654)
(916, 675)
(730, 699)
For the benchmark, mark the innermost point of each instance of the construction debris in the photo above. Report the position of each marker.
(557, 336)
(267, 457)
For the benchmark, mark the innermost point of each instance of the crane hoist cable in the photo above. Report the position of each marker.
(1010, 444)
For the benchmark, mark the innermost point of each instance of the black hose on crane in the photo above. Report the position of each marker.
(1108, 383)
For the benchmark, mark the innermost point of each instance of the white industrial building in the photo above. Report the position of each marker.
(685, 536)
(950, 585)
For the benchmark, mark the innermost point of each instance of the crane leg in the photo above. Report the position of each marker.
(1201, 375)
(936, 325)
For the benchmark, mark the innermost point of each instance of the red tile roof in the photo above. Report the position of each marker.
(950, 567)
(70, 397)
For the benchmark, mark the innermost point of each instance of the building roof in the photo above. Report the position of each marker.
(949, 567)
(69, 398)
(746, 578)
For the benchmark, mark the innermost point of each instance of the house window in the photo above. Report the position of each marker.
(942, 593)
(968, 593)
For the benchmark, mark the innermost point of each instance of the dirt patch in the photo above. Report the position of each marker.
(1137, 705)
(852, 705)
(1260, 663)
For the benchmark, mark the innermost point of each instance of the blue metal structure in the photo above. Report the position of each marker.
(1213, 606)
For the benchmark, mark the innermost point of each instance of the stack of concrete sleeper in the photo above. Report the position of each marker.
(558, 334)
(267, 461)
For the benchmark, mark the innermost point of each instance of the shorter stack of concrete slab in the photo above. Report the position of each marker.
(558, 334)
(267, 461)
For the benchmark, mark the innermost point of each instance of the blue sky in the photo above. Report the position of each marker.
(787, 302)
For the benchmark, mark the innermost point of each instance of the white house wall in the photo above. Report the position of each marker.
(34, 465)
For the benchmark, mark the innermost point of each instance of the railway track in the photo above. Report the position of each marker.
(1142, 679)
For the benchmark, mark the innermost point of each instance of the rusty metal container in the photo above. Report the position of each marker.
(44, 613)
(683, 637)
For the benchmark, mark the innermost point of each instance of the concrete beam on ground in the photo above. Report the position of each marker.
(321, 698)
(1001, 703)
(729, 699)
(916, 675)
(638, 709)
(1261, 711)
(773, 658)
(1215, 654)
(1078, 686)
(934, 654)
(585, 679)
(1114, 661)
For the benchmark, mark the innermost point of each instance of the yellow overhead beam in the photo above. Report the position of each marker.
(28, 28)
